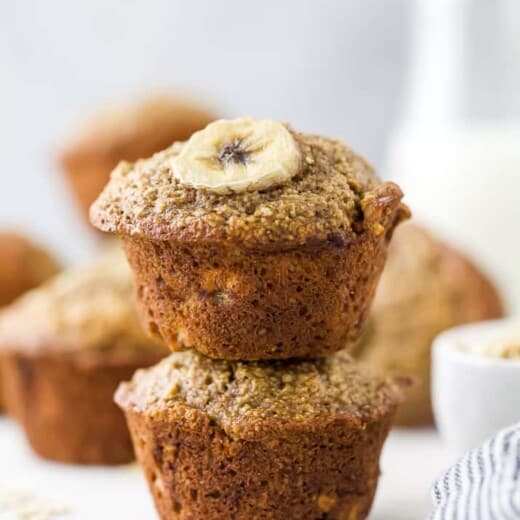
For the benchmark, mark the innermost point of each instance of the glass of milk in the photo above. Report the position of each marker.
(457, 151)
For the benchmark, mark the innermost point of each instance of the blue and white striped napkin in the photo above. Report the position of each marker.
(484, 484)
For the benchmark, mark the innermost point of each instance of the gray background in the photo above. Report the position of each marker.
(336, 67)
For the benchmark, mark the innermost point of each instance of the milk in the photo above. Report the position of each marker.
(464, 183)
(456, 152)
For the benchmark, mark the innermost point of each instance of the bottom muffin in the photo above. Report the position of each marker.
(283, 439)
(65, 347)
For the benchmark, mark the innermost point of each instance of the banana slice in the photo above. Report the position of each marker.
(238, 155)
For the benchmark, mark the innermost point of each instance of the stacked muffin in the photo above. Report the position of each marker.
(261, 248)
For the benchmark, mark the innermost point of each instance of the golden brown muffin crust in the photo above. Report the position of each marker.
(292, 439)
(325, 198)
(234, 274)
(247, 398)
(229, 302)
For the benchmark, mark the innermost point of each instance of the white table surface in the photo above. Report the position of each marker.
(411, 462)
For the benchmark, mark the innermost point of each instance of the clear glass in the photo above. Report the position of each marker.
(456, 152)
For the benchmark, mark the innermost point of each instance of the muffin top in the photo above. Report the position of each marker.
(85, 308)
(23, 266)
(134, 130)
(246, 397)
(255, 182)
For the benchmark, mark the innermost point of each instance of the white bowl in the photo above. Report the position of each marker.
(473, 395)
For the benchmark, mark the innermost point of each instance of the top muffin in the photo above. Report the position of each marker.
(253, 241)
(255, 182)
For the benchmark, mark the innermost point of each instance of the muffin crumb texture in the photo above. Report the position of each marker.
(278, 273)
(243, 397)
(321, 200)
(273, 440)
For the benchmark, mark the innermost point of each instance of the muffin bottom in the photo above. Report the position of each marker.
(64, 402)
(232, 303)
(196, 471)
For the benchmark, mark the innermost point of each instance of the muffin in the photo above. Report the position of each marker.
(267, 439)
(23, 265)
(65, 348)
(252, 241)
(126, 132)
(426, 287)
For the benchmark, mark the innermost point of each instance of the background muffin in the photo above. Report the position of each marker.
(252, 241)
(426, 287)
(279, 439)
(65, 347)
(126, 133)
(23, 265)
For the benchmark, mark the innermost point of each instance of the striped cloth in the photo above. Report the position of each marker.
(484, 484)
